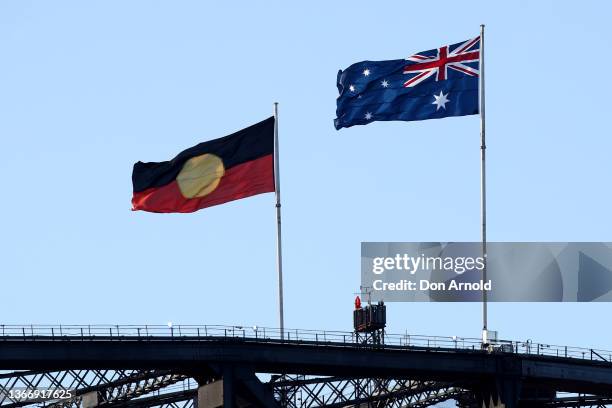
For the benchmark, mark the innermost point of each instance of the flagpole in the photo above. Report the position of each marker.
(483, 191)
(279, 252)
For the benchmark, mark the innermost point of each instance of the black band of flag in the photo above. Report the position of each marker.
(210, 173)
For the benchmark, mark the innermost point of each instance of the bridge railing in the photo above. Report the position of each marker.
(257, 333)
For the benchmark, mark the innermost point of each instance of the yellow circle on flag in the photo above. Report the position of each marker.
(200, 175)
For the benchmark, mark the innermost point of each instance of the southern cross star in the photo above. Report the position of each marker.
(440, 101)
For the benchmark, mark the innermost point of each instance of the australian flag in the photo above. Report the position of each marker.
(429, 85)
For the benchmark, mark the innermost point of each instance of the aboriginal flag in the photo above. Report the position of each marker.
(236, 166)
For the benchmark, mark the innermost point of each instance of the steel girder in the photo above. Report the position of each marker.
(573, 401)
(66, 379)
(151, 389)
(110, 386)
(178, 399)
(163, 389)
(140, 384)
(309, 392)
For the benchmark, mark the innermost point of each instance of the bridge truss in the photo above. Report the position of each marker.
(172, 383)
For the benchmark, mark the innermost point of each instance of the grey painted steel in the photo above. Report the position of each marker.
(279, 244)
(483, 182)
(564, 374)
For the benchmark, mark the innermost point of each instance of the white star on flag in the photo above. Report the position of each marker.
(368, 115)
(352, 88)
(366, 72)
(440, 101)
(385, 83)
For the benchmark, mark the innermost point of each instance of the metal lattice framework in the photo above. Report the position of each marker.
(165, 389)
(68, 379)
(144, 389)
(111, 387)
(377, 392)
(154, 389)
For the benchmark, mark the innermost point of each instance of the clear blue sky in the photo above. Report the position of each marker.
(89, 88)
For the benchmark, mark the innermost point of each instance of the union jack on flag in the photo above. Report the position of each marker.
(431, 84)
(462, 58)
